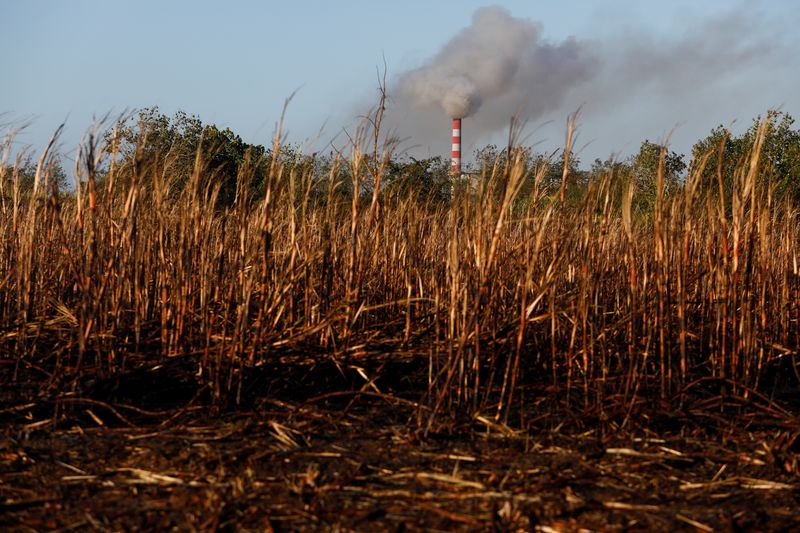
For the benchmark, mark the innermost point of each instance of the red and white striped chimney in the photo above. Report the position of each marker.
(455, 166)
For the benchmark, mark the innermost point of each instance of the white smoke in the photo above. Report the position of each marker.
(633, 82)
(457, 93)
(497, 55)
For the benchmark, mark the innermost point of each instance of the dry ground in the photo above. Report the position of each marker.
(346, 462)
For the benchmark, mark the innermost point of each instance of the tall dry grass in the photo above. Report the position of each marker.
(500, 294)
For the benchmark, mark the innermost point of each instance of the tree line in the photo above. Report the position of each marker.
(172, 145)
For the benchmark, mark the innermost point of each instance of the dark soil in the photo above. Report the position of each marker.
(150, 453)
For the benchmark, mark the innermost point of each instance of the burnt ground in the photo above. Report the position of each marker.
(151, 453)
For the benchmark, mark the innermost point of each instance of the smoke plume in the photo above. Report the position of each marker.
(501, 66)
(496, 53)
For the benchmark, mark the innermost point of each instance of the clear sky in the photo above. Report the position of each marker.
(233, 63)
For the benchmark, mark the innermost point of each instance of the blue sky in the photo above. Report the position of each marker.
(233, 63)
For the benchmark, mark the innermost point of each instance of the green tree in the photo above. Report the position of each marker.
(169, 146)
(780, 157)
(25, 172)
(552, 166)
(782, 154)
(428, 178)
(644, 170)
(227, 155)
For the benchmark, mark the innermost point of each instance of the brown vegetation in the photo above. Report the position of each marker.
(498, 307)
(498, 290)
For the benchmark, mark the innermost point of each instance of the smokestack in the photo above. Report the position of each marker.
(455, 166)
